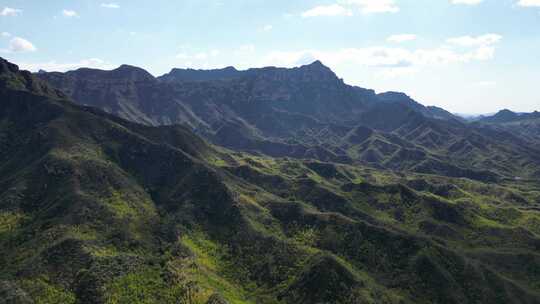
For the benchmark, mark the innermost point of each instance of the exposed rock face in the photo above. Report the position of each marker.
(311, 90)
(176, 75)
(304, 112)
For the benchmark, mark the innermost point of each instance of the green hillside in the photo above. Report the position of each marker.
(96, 209)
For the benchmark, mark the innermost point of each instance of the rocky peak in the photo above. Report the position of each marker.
(314, 72)
(132, 73)
(201, 75)
(123, 73)
(317, 65)
(505, 114)
(12, 78)
(318, 71)
(7, 67)
(393, 96)
(401, 98)
(501, 117)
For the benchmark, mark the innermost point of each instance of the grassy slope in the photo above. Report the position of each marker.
(94, 209)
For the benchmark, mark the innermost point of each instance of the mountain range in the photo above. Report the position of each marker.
(261, 186)
(307, 112)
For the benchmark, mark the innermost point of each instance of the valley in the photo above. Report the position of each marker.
(260, 186)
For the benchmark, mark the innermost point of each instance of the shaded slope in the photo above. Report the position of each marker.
(96, 209)
(524, 125)
(305, 112)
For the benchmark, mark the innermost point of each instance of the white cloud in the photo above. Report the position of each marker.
(467, 2)
(182, 56)
(347, 7)
(8, 11)
(327, 10)
(374, 6)
(396, 60)
(529, 3)
(5, 34)
(398, 72)
(19, 45)
(69, 13)
(388, 61)
(198, 56)
(246, 48)
(267, 28)
(110, 5)
(401, 38)
(62, 67)
(469, 41)
(485, 84)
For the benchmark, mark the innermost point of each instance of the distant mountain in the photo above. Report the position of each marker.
(402, 98)
(304, 112)
(507, 116)
(98, 209)
(313, 72)
(308, 90)
(201, 75)
(524, 125)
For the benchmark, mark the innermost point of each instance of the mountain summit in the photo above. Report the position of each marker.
(132, 73)
(98, 209)
(200, 75)
(315, 71)
(303, 112)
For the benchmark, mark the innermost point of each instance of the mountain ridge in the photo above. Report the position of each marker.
(305, 112)
(505, 115)
(98, 209)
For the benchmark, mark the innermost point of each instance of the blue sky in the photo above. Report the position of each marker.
(468, 56)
